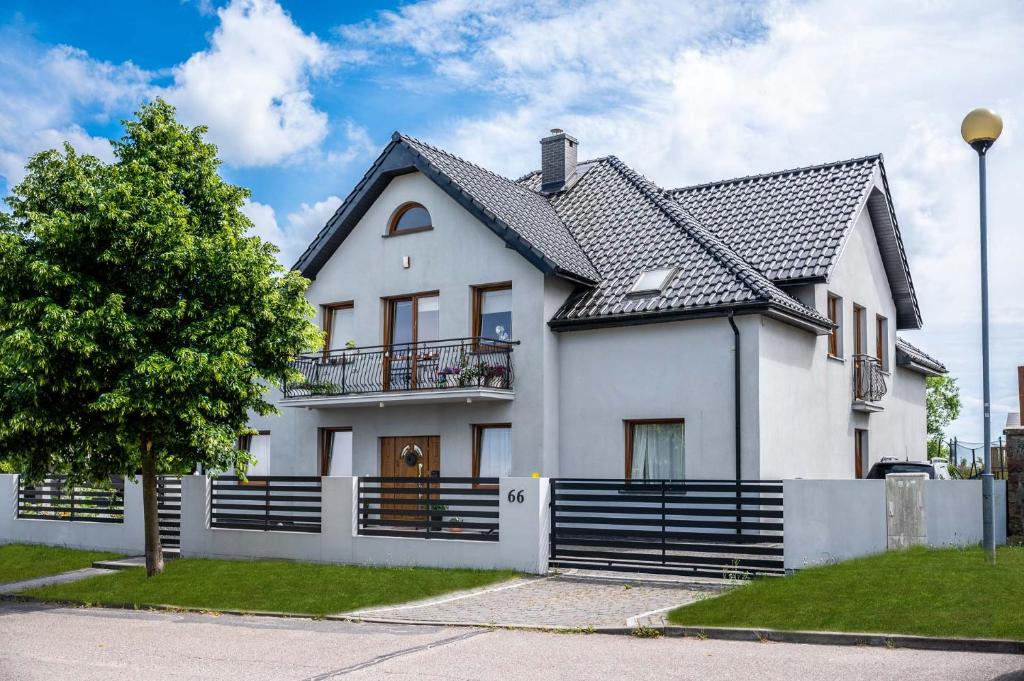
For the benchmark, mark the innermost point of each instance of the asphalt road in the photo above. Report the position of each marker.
(51, 643)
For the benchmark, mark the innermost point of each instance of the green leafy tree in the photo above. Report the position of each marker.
(139, 323)
(943, 402)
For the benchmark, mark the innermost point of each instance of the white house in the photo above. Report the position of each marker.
(583, 322)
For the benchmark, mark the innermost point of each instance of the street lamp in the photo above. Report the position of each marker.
(981, 129)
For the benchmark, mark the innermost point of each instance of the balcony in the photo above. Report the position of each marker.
(868, 383)
(450, 370)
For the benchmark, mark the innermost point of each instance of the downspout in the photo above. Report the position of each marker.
(738, 424)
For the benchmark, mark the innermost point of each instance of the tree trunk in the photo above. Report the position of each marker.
(154, 551)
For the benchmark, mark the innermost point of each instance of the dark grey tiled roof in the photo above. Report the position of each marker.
(907, 354)
(790, 225)
(627, 226)
(526, 212)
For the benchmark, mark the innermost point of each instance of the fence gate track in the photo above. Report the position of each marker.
(697, 528)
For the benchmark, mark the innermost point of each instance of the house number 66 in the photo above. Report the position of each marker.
(515, 497)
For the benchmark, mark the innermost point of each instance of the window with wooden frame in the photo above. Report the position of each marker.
(492, 450)
(655, 449)
(332, 440)
(492, 312)
(860, 330)
(408, 219)
(860, 453)
(258, 446)
(882, 341)
(339, 325)
(411, 325)
(835, 315)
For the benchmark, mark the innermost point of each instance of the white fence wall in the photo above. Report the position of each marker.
(827, 521)
(522, 544)
(126, 537)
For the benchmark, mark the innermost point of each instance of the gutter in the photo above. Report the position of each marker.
(657, 316)
(738, 425)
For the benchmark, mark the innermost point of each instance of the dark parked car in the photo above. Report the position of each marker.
(887, 466)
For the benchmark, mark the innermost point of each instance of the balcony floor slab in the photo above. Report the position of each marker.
(449, 395)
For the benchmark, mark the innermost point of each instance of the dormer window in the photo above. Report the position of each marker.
(409, 218)
(652, 281)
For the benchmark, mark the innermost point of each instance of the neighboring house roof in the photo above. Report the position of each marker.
(522, 218)
(792, 225)
(916, 359)
(628, 225)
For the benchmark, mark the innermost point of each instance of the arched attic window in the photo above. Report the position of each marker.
(410, 217)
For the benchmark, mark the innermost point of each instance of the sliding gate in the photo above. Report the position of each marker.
(698, 528)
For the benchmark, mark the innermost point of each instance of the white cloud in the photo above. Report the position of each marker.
(300, 227)
(251, 87)
(697, 91)
(46, 91)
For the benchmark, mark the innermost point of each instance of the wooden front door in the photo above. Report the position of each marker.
(414, 456)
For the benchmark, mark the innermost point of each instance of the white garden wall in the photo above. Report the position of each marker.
(522, 543)
(827, 521)
(127, 537)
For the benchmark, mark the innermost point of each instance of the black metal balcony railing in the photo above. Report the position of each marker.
(431, 365)
(868, 379)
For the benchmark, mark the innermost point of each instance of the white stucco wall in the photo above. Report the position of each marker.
(806, 415)
(667, 370)
(458, 253)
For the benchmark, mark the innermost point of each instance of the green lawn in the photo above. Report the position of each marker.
(25, 561)
(268, 585)
(948, 592)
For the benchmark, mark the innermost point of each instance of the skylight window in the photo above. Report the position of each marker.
(652, 281)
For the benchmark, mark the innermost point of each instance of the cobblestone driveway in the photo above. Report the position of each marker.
(561, 601)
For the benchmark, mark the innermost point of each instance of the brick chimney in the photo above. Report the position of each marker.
(557, 160)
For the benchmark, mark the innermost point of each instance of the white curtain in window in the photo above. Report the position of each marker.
(338, 445)
(657, 451)
(496, 452)
(260, 450)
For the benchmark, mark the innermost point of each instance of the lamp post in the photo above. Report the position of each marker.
(981, 129)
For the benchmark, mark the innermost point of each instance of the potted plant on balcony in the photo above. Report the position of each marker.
(469, 374)
(496, 376)
(448, 377)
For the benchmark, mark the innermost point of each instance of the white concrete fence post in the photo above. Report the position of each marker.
(8, 506)
(523, 524)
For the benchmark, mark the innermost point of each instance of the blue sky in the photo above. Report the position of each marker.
(300, 96)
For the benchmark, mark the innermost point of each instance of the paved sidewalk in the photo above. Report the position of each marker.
(561, 601)
(72, 576)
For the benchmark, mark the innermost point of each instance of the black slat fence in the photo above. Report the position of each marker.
(54, 499)
(282, 503)
(168, 495)
(429, 507)
(700, 528)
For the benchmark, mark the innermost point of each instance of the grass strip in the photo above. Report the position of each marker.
(269, 586)
(928, 592)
